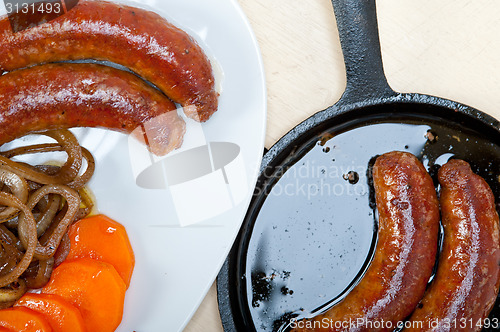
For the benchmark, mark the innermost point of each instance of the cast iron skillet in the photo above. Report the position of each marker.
(310, 230)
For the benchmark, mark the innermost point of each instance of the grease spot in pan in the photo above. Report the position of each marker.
(321, 229)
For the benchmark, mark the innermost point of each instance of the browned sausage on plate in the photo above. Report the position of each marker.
(396, 279)
(135, 38)
(68, 95)
(466, 284)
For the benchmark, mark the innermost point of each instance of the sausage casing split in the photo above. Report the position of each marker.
(68, 95)
(408, 227)
(466, 284)
(135, 38)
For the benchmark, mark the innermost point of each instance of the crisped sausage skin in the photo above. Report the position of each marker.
(68, 95)
(405, 253)
(466, 284)
(135, 38)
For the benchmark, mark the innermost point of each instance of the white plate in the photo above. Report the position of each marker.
(176, 265)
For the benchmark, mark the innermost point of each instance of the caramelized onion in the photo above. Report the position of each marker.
(72, 198)
(86, 205)
(67, 172)
(8, 237)
(63, 250)
(39, 274)
(10, 255)
(30, 149)
(13, 292)
(81, 180)
(37, 205)
(47, 216)
(77, 183)
(27, 235)
(18, 187)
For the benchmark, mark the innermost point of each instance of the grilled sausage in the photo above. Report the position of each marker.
(465, 287)
(408, 226)
(87, 95)
(135, 38)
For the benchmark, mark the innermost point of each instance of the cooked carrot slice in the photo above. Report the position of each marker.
(59, 313)
(21, 319)
(99, 237)
(94, 287)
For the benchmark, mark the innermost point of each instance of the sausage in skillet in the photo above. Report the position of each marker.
(396, 279)
(466, 284)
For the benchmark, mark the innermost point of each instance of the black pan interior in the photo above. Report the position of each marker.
(310, 230)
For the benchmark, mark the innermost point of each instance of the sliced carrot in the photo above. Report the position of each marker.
(60, 314)
(94, 287)
(21, 319)
(99, 237)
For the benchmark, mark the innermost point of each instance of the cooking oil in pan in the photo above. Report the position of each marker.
(315, 232)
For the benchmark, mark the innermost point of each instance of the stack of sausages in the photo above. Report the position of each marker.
(38, 94)
(394, 293)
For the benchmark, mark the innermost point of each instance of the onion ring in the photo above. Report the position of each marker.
(27, 235)
(72, 198)
(67, 172)
(42, 271)
(13, 293)
(37, 205)
(19, 188)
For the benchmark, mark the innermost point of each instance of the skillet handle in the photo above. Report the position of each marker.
(357, 25)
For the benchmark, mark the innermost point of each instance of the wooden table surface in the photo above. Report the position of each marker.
(446, 48)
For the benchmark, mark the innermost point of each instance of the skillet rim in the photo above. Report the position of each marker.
(339, 111)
